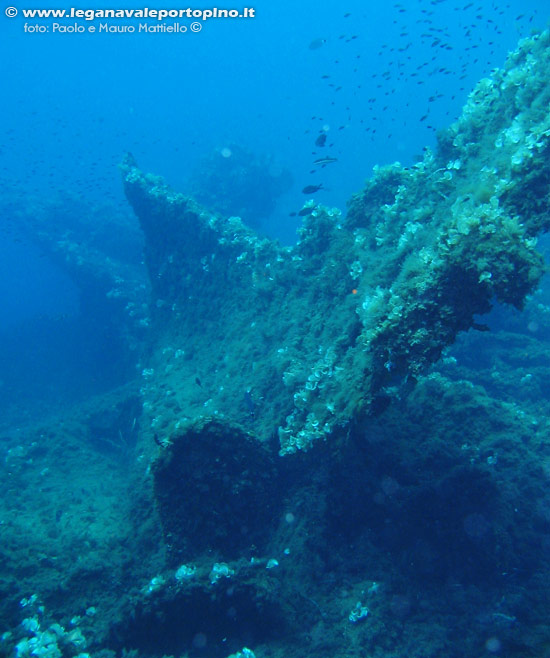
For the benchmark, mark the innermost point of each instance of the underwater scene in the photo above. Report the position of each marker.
(275, 330)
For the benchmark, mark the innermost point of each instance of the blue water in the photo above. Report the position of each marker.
(74, 103)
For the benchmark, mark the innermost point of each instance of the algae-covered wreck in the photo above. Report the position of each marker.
(299, 439)
(303, 341)
(323, 484)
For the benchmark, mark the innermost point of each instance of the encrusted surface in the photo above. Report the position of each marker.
(304, 340)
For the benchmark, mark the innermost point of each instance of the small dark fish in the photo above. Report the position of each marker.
(325, 161)
(321, 140)
(198, 382)
(317, 43)
(311, 189)
(306, 211)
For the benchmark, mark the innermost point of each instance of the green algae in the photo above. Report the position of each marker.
(319, 333)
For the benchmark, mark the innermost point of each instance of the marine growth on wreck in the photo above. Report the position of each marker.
(327, 452)
(306, 340)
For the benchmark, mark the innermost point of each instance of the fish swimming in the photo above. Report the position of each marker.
(311, 189)
(320, 141)
(325, 161)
